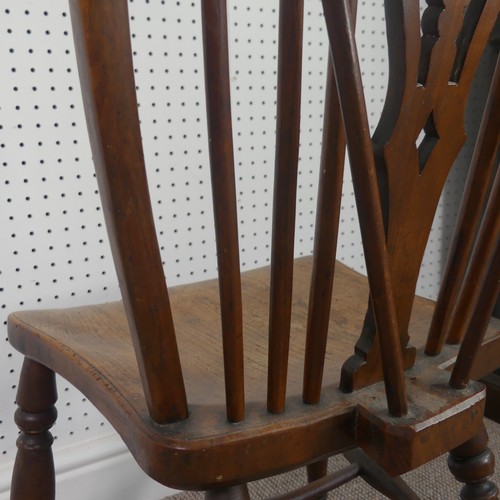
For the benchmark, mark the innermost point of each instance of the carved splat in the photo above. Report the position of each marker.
(471, 18)
(430, 35)
(419, 135)
(426, 142)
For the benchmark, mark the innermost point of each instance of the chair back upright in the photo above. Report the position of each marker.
(432, 60)
(398, 176)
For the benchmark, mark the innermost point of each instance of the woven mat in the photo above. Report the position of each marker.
(432, 481)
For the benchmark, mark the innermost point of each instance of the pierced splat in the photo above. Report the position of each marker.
(412, 167)
(430, 35)
(471, 18)
(426, 142)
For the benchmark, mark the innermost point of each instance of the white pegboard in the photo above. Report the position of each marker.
(55, 251)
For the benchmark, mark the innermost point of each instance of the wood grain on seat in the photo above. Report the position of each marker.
(217, 383)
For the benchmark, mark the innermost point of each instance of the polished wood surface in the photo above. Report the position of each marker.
(348, 76)
(197, 320)
(285, 187)
(216, 57)
(286, 365)
(72, 340)
(484, 268)
(33, 475)
(449, 321)
(102, 41)
(325, 238)
(412, 171)
(473, 463)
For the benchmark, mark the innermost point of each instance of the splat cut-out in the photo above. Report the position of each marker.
(471, 18)
(420, 133)
(426, 142)
(430, 36)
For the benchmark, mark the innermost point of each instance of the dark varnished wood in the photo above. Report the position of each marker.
(218, 451)
(464, 38)
(285, 187)
(125, 356)
(372, 473)
(325, 241)
(444, 324)
(325, 238)
(197, 322)
(426, 433)
(33, 475)
(492, 408)
(481, 288)
(102, 42)
(348, 77)
(495, 37)
(214, 17)
(411, 176)
(317, 470)
(473, 463)
(239, 492)
(483, 264)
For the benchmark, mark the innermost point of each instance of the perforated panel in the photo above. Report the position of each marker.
(55, 252)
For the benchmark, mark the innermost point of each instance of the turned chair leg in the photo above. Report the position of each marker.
(239, 492)
(33, 477)
(315, 471)
(473, 463)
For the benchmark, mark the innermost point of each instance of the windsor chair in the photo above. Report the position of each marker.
(212, 425)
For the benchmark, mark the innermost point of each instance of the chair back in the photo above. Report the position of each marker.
(398, 176)
(433, 57)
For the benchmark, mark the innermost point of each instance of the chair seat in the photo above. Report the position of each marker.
(91, 347)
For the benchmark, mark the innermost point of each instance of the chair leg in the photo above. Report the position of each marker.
(33, 475)
(473, 463)
(315, 471)
(239, 492)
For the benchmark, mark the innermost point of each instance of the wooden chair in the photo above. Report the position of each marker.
(397, 407)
